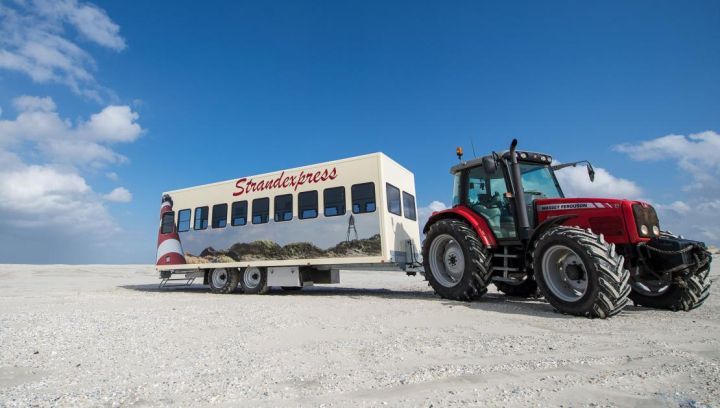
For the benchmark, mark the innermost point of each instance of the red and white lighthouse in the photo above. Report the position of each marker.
(169, 249)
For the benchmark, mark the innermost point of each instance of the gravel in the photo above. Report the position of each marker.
(106, 335)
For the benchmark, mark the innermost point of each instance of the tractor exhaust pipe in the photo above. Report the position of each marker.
(520, 206)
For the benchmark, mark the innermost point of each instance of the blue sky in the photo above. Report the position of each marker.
(213, 92)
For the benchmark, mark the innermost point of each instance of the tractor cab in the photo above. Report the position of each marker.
(485, 186)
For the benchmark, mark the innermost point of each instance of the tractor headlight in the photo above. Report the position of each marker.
(656, 230)
(644, 229)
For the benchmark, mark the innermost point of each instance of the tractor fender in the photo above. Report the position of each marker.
(463, 213)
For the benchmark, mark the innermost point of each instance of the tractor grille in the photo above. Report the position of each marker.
(645, 216)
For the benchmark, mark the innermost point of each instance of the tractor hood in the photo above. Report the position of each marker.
(620, 221)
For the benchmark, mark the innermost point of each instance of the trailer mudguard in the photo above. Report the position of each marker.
(463, 213)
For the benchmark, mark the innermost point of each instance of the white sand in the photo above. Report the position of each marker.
(104, 335)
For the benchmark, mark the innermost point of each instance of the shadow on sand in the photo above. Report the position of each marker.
(490, 302)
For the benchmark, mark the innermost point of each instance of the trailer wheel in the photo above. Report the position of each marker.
(223, 280)
(687, 296)
(525, 289)
(254, 281)
(580, 273)
(456, 263)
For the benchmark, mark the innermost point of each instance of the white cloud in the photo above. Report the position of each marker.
(61, 141)
(576, 183)
(119, 195)
(49, 202)
(425, 212)
(697, 214)
(33, 41)
(112, 176)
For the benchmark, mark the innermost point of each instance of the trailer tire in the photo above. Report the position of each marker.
(457, 266)
(563, 256)
(527, 289)
(254, 281)
(223, 280)
(692, 294)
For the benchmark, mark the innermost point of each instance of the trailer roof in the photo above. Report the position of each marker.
(347, 159)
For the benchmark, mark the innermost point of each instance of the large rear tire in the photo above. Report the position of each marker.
(687, 296)
(457, 266)
(580, 273)
(525, 289)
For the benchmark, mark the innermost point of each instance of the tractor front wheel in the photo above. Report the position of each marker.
(686, 296)
(457, 266)
(580, 273)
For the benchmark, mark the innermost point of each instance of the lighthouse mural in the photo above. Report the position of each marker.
(169, 249)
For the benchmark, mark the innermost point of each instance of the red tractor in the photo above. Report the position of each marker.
(511, 225)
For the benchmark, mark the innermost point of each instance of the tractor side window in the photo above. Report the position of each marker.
(201, 218)
(363, 198)
(393, 199)
(184, 220)
(457, 191)
(283, 207)
(334, 201)
(486, 196)
(308, 204)
(239, 213)
(219, 216)
(260, 210)
(168, 223)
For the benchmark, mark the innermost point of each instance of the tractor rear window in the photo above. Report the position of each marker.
(260, 210)
(283, 207)
(409, 206)
(393, 197)
(201, 218)
(219, 216)
(363, 198)
(184, 220)
(168, 223)
(334, 199)
(308, 204)
(239, 213)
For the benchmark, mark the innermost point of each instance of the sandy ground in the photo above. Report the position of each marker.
(105, 335)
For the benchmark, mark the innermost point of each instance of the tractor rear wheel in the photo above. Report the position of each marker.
(580, 273)
(687, 296)
(525, 289)
(457, 266)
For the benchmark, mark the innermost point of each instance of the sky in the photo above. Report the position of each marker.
(105, 105)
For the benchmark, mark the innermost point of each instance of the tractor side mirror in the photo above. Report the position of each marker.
(591, 172)
(489, 164)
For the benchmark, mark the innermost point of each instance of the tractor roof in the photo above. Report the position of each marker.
(523, 156)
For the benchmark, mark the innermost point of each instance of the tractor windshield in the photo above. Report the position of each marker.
(539, 182)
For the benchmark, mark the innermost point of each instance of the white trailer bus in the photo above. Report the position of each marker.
(291, 228)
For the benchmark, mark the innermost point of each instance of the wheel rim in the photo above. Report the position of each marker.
(251, 278)
(565, 273)
(447, 260)
(219, 278)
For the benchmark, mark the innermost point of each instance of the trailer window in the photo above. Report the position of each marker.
(168, 223)
(334, 200)
(363, 198)
(260, 210)
(184, 220)
(219, 216)
(308, 204)
(283, 207)
(409, 206)
(201, 218)
(239, 213)
(393, 197)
